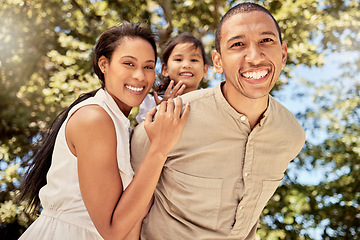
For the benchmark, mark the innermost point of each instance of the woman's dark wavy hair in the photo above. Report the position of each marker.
(181, 38)
(35, 176)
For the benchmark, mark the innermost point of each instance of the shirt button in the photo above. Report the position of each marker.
(246, 174)
(242, 118)
(241, 208)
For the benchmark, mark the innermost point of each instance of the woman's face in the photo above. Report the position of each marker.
(130, 74)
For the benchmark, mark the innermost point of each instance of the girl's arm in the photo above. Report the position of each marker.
(91, 136)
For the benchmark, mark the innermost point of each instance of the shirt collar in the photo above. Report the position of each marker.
(229, 109)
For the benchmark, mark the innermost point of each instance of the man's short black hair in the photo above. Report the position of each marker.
(241, 8)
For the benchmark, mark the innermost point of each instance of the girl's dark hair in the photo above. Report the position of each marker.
(35, 176)
(181, 38)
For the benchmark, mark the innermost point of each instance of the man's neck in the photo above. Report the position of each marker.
(253, 109)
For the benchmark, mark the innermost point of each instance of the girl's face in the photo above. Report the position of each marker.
(130, 73)
(186, 64)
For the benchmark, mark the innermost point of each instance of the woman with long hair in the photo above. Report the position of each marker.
(81, 172)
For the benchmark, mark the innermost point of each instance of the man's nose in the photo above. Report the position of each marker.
(254, 54)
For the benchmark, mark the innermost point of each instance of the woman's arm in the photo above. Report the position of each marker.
(135, 232)
(91, 136)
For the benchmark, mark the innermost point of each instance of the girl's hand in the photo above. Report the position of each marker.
(170, 92)
(165, 130)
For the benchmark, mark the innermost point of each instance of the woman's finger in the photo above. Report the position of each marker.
(178, 106)
(162, 107)
(170, 106)
(150, 116)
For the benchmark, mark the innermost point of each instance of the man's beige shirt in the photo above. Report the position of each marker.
(220, 175)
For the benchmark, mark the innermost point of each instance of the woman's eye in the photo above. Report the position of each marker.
(129, 63)
(149, 67)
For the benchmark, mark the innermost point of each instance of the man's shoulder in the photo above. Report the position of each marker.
(286, 119)
(281, 110)
(198, 95)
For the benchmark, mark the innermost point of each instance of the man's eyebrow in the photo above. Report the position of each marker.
(243, 36)
(235, 38)
(269, 33)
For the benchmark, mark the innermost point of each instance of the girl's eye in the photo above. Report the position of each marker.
(177, 59)
(194, 60)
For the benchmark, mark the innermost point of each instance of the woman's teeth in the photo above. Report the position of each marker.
(136, 89)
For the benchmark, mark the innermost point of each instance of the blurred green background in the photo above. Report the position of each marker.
(45, 47)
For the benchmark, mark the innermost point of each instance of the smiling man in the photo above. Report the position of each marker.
(236, 144)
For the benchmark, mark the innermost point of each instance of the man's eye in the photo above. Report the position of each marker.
(267, 40)
(237, 44)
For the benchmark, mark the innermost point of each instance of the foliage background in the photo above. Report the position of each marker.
(44, 65)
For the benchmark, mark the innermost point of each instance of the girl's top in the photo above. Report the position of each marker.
(64, 215)
(145, 106)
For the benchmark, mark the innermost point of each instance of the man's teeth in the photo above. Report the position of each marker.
(255, 75)
(136, 89)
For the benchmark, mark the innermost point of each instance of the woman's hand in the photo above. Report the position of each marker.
(170, 92)
(165, 128)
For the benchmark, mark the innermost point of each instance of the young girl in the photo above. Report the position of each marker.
(184, 65)
(82, 170)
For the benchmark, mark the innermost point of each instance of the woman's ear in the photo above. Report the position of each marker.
(103, 63)
(216, 58)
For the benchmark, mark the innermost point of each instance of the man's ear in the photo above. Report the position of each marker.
(284, 53)
(164, 70)
(103, 63)
(216, 58)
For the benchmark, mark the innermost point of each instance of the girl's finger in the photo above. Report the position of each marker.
(181, 90)
(156, 97)
(178, 86)
(168, 89)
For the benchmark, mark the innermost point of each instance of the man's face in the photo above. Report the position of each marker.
(252, 55)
